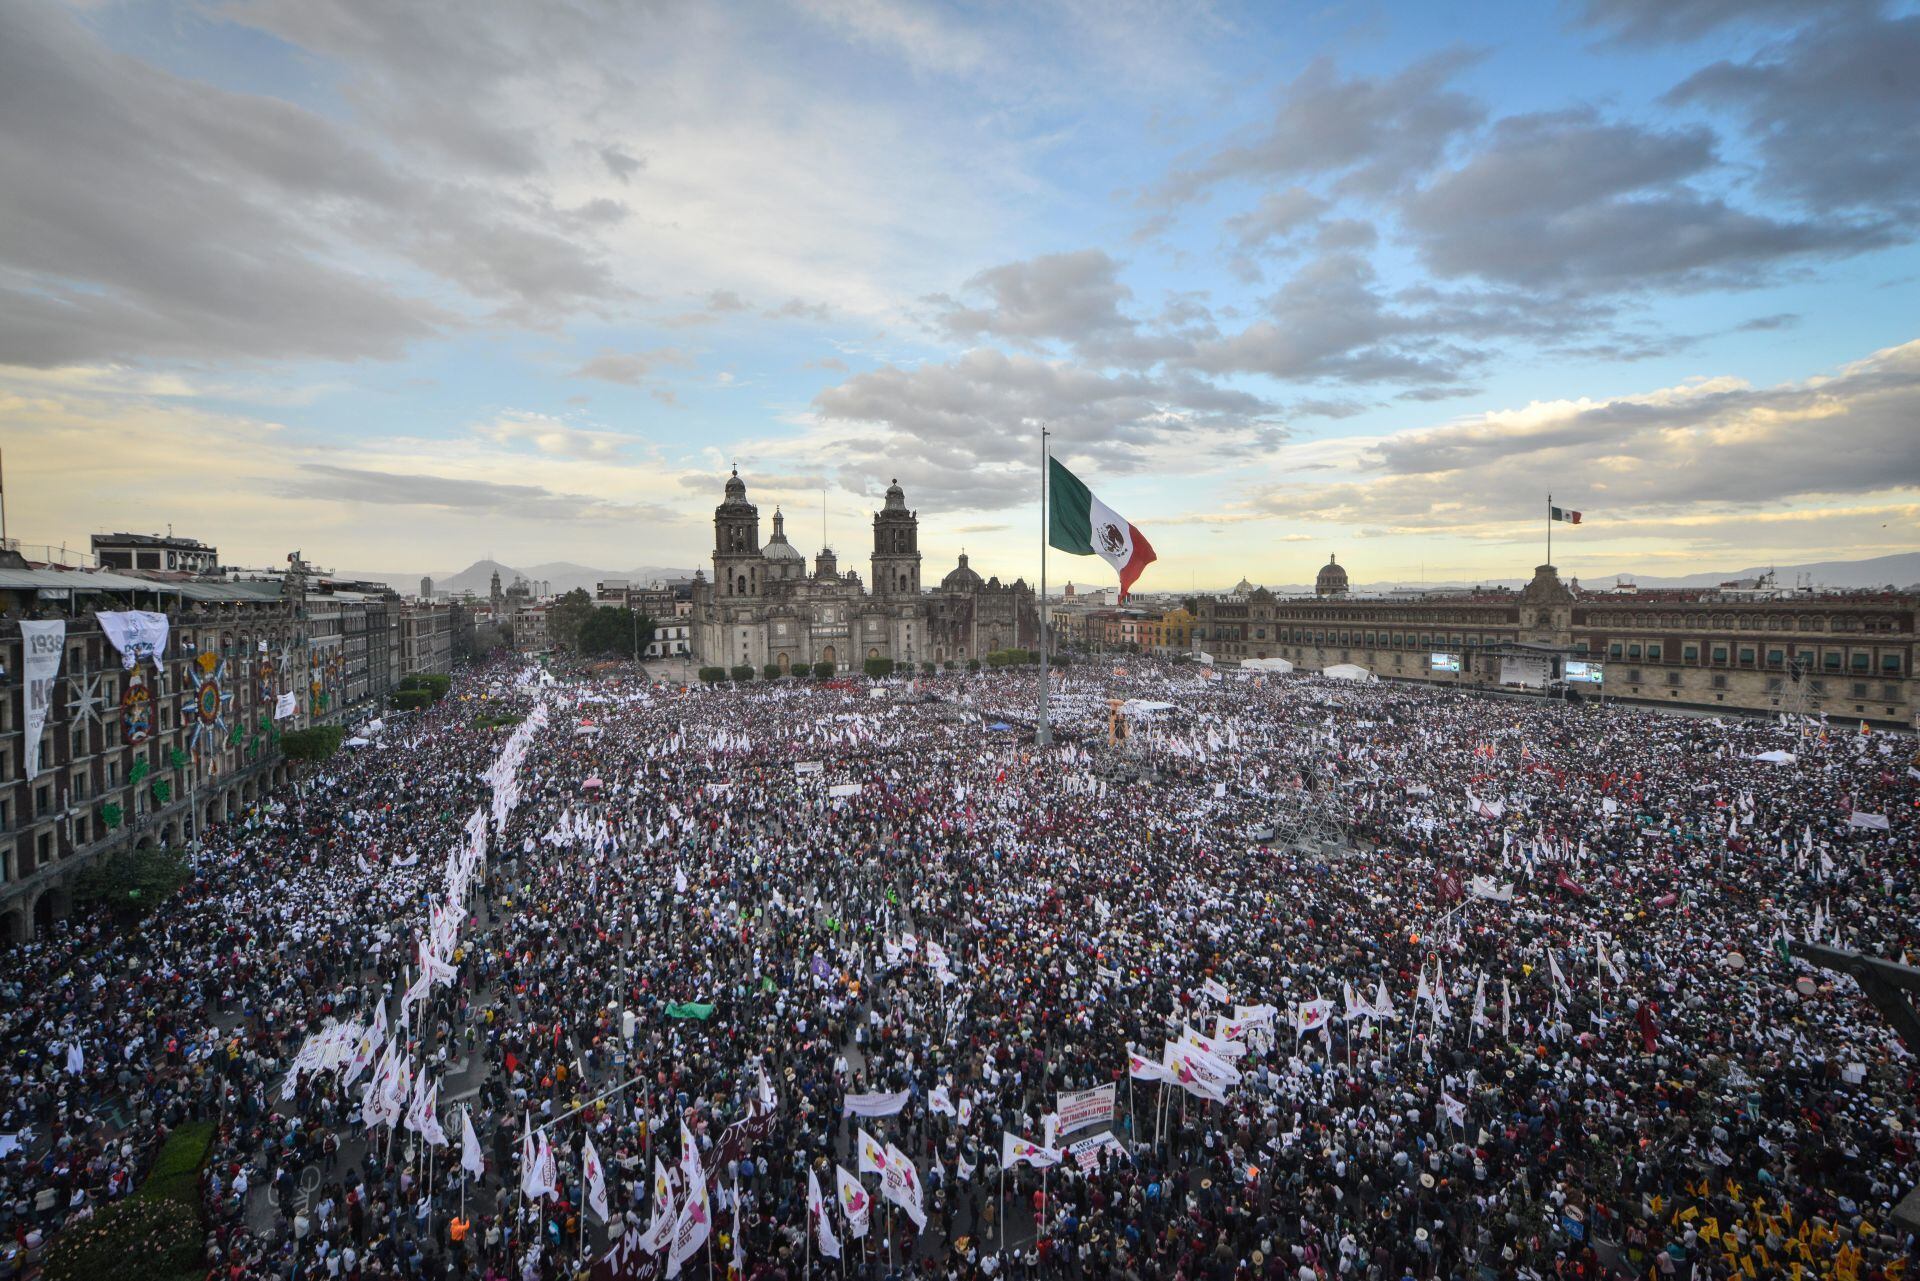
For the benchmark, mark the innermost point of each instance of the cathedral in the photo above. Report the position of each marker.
(762, 608)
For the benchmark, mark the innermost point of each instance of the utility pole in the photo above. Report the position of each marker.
(1043, 735)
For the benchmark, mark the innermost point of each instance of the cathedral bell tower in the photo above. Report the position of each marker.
(737, 564)
(896, 547)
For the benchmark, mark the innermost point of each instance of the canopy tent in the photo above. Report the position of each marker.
(1348, 672)
(1266, 665)
(1143, 708)
(1775, 757)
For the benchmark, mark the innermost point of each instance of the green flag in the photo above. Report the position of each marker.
(139, 770)
(689, 1010)
(178, 757)
(111, 814)
(162, 790)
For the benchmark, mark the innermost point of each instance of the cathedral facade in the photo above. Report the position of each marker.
(763, 608)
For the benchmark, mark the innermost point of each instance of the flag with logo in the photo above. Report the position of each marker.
(1081, 525)
(854, 1202)
(822, 1225)
(596, 1178)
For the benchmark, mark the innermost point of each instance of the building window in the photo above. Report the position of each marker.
(1830, 660)
(1690, 653)
(1719, 653)
(1633, 651)
(1633, 676)
(1746, 655)
(1817, 687)
(1615, 650)
(1776, 658)
(1673, 678)
(1859, 689)
(1862, 662)
(1890, 664)
(1719, 682)
(1890, 692)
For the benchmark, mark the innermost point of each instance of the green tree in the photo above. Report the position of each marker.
(712, 675)
(567, 616)
(878, 667)
(771, 672)
(133, 882)
(616, 631)
(742, 671)
(312, 746)
(823, 669)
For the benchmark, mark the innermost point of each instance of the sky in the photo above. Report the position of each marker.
(408, 285)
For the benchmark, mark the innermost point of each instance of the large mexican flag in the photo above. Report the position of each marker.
(1082, 525)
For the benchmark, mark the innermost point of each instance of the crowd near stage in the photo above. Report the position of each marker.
(573, 974)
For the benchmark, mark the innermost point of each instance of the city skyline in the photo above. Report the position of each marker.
(1281, 282)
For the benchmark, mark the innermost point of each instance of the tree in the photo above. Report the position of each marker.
(742, 671)
(823, 670)
(567, 616)
(879, 667)
(712, 675)
(612, 630)
(771, 672)
(312, 746)
(132, 882)
(928, 669)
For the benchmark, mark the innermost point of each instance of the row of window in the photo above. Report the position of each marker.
(1892, 662)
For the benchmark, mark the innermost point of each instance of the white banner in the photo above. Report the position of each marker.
(873, 1104)
(136, 633)
(844, 789)
(43, 644)
(803, 768)
(284, 706)
(1083, 1108)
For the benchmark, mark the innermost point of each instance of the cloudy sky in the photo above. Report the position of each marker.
(404, 285)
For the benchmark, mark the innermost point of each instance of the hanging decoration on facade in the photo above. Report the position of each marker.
(210, 699)
(263, 673)
(136, 706)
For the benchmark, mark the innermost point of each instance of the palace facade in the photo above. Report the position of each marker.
(1847, 654)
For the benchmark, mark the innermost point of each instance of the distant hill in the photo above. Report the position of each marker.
(563, 576)
(1901, 569)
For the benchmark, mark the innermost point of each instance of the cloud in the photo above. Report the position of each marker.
(1374, 134)
(1650, 22)
(1566, 200)
(631, 367)
(620, 164)
(556, 436)
(1708, 445)
(1064, 297)
(1832, 110)
(919, 33)
(966, 431)
(475, 497)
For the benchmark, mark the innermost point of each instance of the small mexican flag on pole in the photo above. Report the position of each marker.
(1561, 513)
(1081, 525)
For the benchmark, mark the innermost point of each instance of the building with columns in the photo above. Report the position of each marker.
(763, 608)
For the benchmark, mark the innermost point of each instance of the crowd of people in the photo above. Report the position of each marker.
(1532, 1013)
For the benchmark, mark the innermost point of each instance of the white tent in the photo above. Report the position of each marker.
(1775, 758)
(1348, 672)
(1266, 665)
(1143, 708)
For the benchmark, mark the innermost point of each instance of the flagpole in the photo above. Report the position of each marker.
(1549, 529)
(1043, 734)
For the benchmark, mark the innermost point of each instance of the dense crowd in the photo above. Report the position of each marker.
(1533, 1015)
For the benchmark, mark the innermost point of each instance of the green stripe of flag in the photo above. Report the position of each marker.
(1070, 515)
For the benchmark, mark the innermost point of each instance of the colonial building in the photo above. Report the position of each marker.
(762, 608)
(1847, 654)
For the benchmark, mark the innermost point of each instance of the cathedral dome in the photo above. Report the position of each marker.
(736, 490)
(960, 578)
(896, 498)
(778, 548)
(1332, 580)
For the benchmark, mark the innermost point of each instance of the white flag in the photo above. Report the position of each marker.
(854, 1202)
(695, 1224)
(660, 1228)
(937, 1101)
(873, 1153)
(470, 1159)
(901, 1185)
(76, 1059)
(1014, 1149)
(596, 1177)
(822, 1225)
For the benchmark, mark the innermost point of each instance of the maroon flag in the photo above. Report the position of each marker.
(1570, 885)
(1649, 1035)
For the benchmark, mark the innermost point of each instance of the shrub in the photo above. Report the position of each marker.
(823, 670)
(435, 683)
(742, 672)
(973, 664)
(412, 700)
(155, 1232)
(133, 882)
(771, 672)
(928, 669)
(878, 667)
(712, 675)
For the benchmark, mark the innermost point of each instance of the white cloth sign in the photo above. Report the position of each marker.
(284, 706)
(136, 634)
(1084, 1107)
(43, 644)
(874, 1104)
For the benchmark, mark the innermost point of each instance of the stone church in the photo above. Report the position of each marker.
(762, 606)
